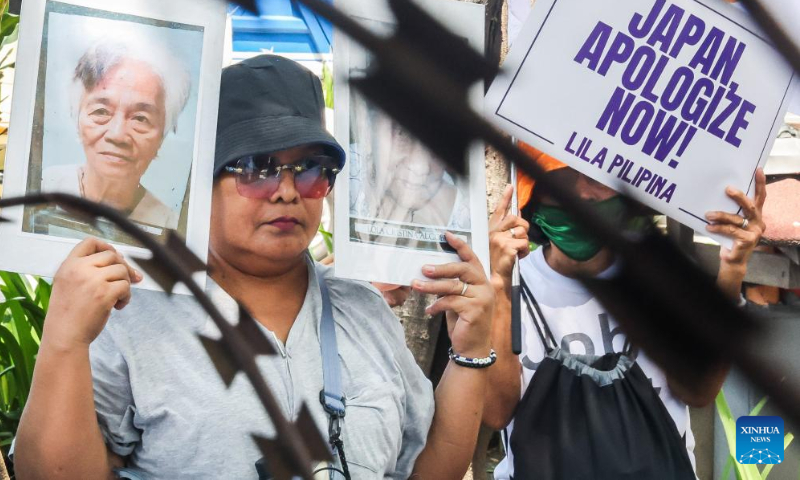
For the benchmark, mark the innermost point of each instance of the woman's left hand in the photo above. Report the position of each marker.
(469, 310)
(745, 229)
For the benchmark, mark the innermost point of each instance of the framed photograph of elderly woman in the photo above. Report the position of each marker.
(116, 102)
(395, 199)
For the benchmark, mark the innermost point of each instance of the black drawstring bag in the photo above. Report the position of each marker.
(588, 417)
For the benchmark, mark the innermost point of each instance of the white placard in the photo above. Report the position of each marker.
(395, 200)
(667, 101)
(117, 102)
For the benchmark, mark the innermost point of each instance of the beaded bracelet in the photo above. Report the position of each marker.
(484, 362)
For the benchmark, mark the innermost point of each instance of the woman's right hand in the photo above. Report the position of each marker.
(505, 246)
(92, 280)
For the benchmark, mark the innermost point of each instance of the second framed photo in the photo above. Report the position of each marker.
(395, 199)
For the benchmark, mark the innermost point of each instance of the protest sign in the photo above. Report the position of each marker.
(115, 102)
(669, 101)
(395, 199)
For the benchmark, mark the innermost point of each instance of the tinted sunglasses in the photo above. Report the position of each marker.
(259, 176)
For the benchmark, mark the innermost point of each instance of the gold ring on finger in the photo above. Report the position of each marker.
(745, 222)
(464, 288)
(513, 232)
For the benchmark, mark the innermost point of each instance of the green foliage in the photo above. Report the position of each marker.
(8, 22)
(9, 32)
(327, 237)
(22, 311)
(327, 85)
(743, 472)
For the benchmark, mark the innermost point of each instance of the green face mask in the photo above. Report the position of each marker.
(565, 233)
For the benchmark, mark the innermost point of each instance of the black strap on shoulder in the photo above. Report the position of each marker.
(529, 299)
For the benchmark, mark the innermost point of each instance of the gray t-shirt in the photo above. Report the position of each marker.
(160, 401)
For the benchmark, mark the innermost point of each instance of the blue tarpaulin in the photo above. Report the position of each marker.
(282, 26)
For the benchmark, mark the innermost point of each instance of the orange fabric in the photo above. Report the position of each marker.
(525, 183)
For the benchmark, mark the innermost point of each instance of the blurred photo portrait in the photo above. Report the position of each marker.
(399, 199)
(398, 179)
(401, 194)
(114, 121)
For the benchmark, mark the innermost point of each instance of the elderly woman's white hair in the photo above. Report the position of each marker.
(105, 54)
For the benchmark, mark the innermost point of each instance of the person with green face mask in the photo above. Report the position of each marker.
(567, 235)
(554, 429)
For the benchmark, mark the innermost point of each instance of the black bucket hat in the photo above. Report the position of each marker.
(266, 104)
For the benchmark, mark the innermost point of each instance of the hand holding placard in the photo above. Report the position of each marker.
(93, 280)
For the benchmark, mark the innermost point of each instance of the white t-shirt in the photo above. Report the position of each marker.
(580, 325)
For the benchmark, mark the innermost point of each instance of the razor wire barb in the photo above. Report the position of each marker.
(296, 445)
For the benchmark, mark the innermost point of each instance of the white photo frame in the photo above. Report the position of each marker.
(77, 128)
(376, 235)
